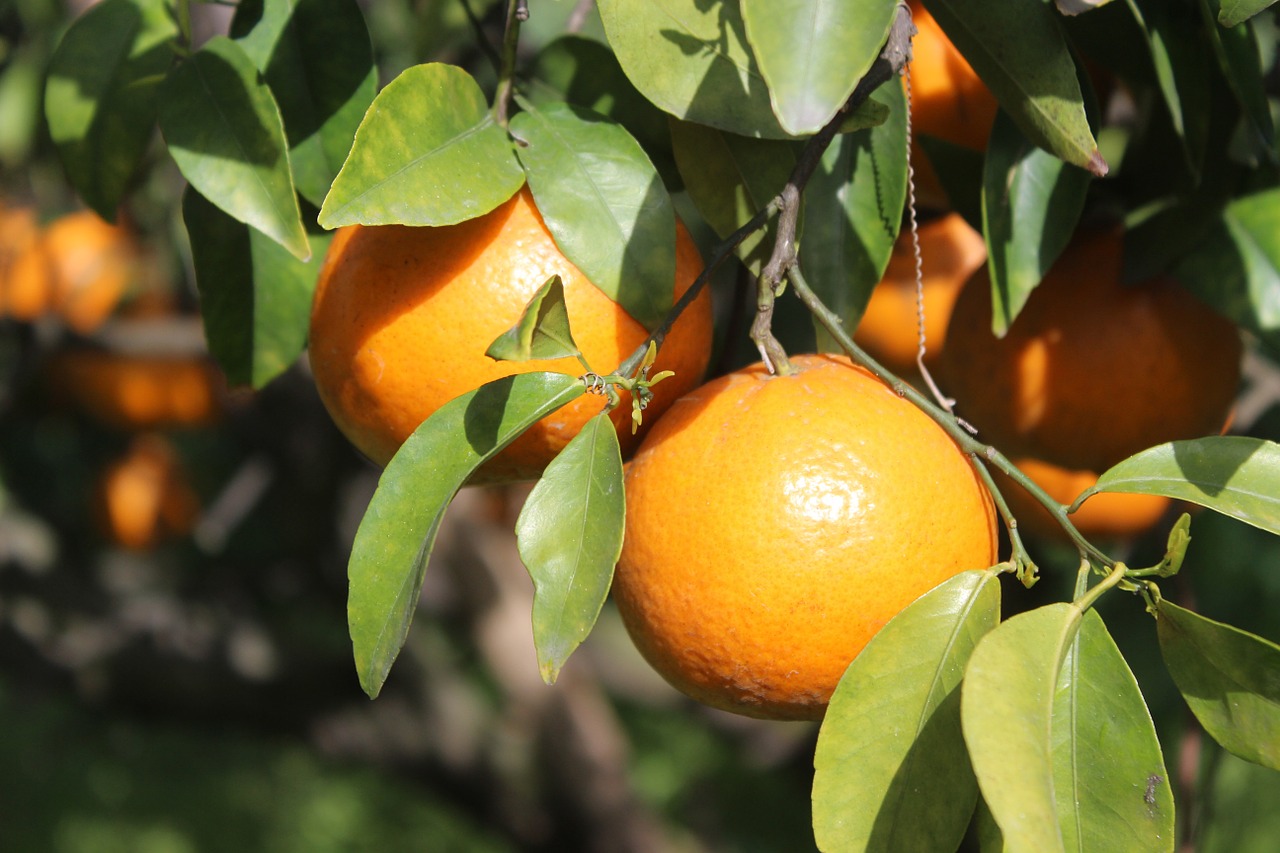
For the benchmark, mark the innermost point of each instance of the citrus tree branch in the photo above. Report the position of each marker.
(517, 13)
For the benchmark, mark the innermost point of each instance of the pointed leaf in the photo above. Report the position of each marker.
(428, 152)
(570, 535)
(891, 768)
(225, 133)
(1006, 710)
(691, 59)
(853, 208)
(1018, 51)
(255, 297)
(100, 98)
(1230, 679)
(1233, 12)
(1234, 475)
(604, 204)
(730, 179)
(813, 52)
(1031, 203)
(398, 531)
(542, 331)
(1109, 777)
(319, 64)
(1237, 52)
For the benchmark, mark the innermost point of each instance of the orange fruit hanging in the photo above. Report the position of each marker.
(25, 288)
(950, 252)
(775, 523)
(143, 497)
(403, 316)
(1092, 370)
(136, 391)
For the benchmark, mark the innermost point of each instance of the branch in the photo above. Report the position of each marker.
(517, 13)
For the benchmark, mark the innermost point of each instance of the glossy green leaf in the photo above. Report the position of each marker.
(1230, 679)
(1112, 788)
(730, 179)
(398, 531)
(1237, 52)
(1031, 203)
(1233, 12)
(1006, 711)
(255, 298)
(318, 62)
(542, 331)
(813, 52)
(853, 208)
(225, 133)
(1234, 475)
(570, 535)
(891, 771)
(428, 152)
(1019, 52)
(604, 204)
(691, 59)
(100, 95)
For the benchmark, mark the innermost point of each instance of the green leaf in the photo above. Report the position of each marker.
(318, 62)
(225, 133)
(100, 98)
(1230, 679)
(604, 204)
(691, 59)
(1018, 51)
(1233, 12)
(1006, 712)
(1237, 52)
(853, 208)
(428, 152)
(570, 535)
(891, 772)
(1109, 778)
(730, 179)
(396, 535)
(1031, 203)
(812, 53)
(542, 331)
(1234, 475)
(255, 297)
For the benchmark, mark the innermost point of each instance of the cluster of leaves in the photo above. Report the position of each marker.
(281, 133)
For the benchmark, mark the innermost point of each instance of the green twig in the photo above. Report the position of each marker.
(517, 13)
(1084, 602)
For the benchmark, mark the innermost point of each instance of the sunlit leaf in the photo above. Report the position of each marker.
(1230, 679)
(1031, 203)
(1006, 710)
(1234, 475)
(100, 96)
(1019, 52)
(225, 133)
(428, 152)
(813, 52)
(891, 772)
(1233, 12)
(604, 204)
(542, 331)
(399, 527)
(570, 535)
(691, 59)
(317, 60)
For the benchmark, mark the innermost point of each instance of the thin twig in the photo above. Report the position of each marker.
(482, 38)
(517, 13)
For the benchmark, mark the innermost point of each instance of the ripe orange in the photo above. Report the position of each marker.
(403, 316)
(775, 523)
(25, 290)
(948, 101)
(143, 497)
(950, 251)
(1092, 370)
(133, 391)
(1106, 515)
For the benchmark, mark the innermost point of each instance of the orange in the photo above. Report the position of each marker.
(775, 523)
(134, 391)
(1106, 515)
(403, 316)
(25, 288)
(950, 251)
(948, 101)
(143, 497)
(1092, 370)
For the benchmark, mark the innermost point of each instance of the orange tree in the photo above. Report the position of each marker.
(784, 127)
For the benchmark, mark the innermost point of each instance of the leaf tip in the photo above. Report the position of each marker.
(1096, 165)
